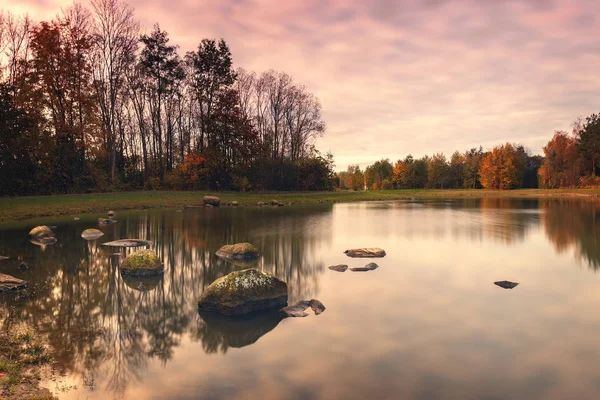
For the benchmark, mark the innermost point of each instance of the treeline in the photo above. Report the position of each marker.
(89, 103)
(570, 160)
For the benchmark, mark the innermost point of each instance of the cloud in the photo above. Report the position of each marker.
(408, 76)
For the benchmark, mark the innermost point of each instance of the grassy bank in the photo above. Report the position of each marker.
(18, 208)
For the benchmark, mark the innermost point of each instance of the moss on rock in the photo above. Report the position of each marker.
(244, 292)
(142, 263)
(238, 252)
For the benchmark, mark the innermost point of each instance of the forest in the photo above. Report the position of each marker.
(90, 103)
(570, 160)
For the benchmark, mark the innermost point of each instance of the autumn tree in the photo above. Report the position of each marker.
(379, 174)
(589, 143)
(503, 168)
(562, 165)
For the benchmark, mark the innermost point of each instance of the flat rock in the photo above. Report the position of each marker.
(10, 283)
(367, 252)
(339, 268)
(142, 263)
(128, 243)
(506, 284)
(244, 292)
(106, 221)
(238, 252)
(297, 310)
(368, 267)
(91, 234)
(212, 200)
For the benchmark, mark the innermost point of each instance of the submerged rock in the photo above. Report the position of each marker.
(106, 221)
(212, 200)
(91, 234)
(274, 203)
(339, 268)
(110, 213)
(297, 310)
(23, 266)
(238, 252)
(368, 267)
(142, 263)
(506, 284)
(4, 258)
(10, 283)
(128, 243)
(371, 252)
(244, 292)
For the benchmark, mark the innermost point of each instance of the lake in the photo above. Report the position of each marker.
(429, 323)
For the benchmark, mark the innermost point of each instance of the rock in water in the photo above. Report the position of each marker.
(297, 310)
(208, 206)
(76, 218)
(23, 266)
(4, 258)
(244, 292)
(339, 268)
(212, 200)
(274, 203)
(316, 306)
(42, 235)
(368, 267)
(238, 252)
(128, 243)
(371, 252)
(506, 284)
(91, 234)
(142, 263)
(41, 232)
(110, 213)
(10, 283)
(106, 221)
(235, 204)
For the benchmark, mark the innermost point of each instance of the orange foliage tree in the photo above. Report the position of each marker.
(562, 163)
(503, 168)
(193, 170)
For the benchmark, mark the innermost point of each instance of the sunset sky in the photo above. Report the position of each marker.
(410, 76)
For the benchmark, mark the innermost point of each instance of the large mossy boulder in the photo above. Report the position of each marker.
(212, 200)
(238, 252)
(142, 263)
(367, 252)
(244, 292)
(9, 283)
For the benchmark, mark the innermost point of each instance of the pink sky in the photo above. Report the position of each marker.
(410, 76)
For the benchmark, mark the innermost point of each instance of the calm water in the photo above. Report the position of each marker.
(428, 324)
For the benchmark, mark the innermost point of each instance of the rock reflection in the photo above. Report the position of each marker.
(220, 332)
(106, 329)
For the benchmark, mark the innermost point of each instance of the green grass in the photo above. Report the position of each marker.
(19, 208)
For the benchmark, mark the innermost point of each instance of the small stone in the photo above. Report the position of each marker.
(23, 266)
(128, 243)
(297, 310)
(280, 205)
(339, 268)
(235, 204)
(208, 206)
(106, 221)
(178, 211)
(368, 252)
(506, 284)
(76, 218)
(260, 203)
(274, 202)
(316, 306)
(110, 213)
(4, 258)
(368, 267)
(91, 234)
(212, 200)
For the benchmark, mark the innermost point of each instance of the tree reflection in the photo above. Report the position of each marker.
(107, 329)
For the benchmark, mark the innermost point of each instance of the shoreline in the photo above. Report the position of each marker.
(29, 207)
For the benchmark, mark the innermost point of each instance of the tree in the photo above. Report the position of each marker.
(589, 143)
(503, 168)
(472, 164)
(437, 171)
(377, 173)
(562, 164)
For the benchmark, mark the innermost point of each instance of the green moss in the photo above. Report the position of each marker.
(142, 261)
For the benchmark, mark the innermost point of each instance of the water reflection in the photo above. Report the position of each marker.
(108, 330)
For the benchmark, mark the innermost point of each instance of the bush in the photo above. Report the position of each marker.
(589, 181)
